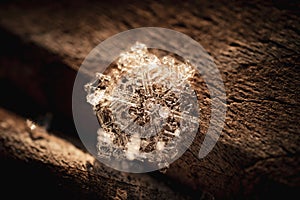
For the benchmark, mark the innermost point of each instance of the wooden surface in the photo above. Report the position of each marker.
(255, 45)
(74, 173)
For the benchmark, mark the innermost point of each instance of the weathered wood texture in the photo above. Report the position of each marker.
(73, 172)
(256, 46)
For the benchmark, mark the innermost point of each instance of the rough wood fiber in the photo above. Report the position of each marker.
(256, 46)
(72, 169)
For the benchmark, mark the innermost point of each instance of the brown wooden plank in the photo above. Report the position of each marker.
(75, 172)
(254, 44)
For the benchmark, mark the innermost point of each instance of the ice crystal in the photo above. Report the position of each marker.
(145, 112)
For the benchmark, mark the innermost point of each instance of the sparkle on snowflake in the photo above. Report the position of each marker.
(146, 108)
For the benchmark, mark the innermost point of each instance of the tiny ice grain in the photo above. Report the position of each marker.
(146, 109)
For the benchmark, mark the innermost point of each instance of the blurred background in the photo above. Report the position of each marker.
(256, 46)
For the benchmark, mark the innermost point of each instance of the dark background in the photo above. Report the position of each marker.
(256, 46)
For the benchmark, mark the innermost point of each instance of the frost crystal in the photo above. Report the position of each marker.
(145, 108)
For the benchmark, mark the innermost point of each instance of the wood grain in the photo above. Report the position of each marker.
(74, 173)
(256, 46)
